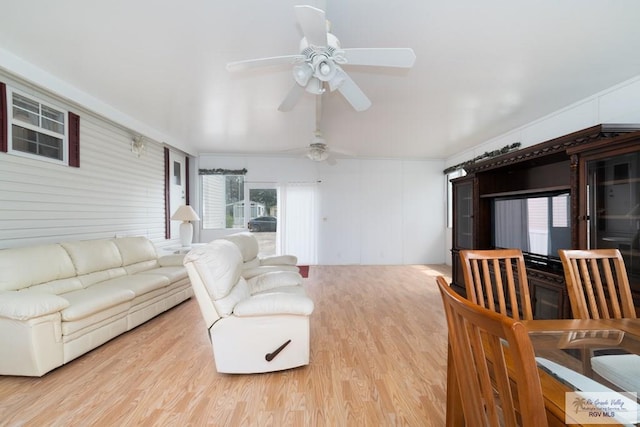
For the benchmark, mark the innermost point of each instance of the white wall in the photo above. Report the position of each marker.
(113, 192)
(618, 104)
(370, 211)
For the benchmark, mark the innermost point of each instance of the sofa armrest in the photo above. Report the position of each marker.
(171, 260)
(272, 280)
(274, 304)
(279, 260)
(26, 305)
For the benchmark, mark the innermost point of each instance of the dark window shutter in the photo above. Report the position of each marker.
(167, 223)
(74, 140)
(4, 119)
(186, 174)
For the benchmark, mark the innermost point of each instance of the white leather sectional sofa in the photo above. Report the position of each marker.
(255, 264)
(59, 301)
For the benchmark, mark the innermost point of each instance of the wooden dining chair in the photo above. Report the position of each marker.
(497, 276)
(598, 288)
(480, 339)
(597, 284)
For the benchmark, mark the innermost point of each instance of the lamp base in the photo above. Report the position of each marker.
(186, 234)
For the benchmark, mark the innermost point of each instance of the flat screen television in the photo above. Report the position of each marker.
(538, 224)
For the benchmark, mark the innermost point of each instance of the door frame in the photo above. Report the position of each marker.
(169, 157)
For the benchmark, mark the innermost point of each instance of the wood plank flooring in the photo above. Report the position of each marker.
(378, 358)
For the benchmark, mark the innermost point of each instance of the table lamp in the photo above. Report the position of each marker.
(185, 213)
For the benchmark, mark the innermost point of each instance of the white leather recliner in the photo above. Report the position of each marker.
(253, 263)
(255, 325)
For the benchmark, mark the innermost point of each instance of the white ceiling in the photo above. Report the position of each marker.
(482, 67)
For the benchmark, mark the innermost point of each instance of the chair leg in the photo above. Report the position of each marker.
(586, 355)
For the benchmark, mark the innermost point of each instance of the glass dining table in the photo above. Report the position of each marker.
(589, 371)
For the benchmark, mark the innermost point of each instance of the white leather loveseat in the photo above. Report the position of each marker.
(58, 301)
(253, 263)
(255, 325)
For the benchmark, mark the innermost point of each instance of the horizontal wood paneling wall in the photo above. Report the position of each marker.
(113, 193)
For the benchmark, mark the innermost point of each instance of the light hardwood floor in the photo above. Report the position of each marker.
(378, 358)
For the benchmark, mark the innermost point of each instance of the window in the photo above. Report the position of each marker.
(177, 173)
(36, 129)
(222, 201)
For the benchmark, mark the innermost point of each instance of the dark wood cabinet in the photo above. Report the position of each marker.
(608, 208)
(580, 190)
(463, 214)
(548, 296)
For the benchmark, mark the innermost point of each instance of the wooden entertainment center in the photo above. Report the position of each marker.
(595, 172)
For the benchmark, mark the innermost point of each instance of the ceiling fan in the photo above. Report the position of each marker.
(318, 150)
(318, 66)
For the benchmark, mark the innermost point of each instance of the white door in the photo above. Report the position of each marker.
(177, 188)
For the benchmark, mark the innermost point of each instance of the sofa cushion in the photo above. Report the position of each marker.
(251, 264)
(226, 305)
(247, 244)
(135, 249)
(274, 303)
(100, 276)
(29, 304)
(279, 260)
(141, 266)
(172, 260)
(172, 273)
(219, 265)
(89, 301)
(24, 267)
(274, 279)
(89, 256)
(56, 287)
(140, 284)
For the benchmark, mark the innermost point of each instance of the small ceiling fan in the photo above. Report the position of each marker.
(318, 66)
(318, 150)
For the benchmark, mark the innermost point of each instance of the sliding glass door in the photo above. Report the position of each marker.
(283, 218)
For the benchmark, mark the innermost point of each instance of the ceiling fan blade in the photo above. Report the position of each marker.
(381, 57)
(264, 62)
(292, 98)
(353, 94)
(313, 23)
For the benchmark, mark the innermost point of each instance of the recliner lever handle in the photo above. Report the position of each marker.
(270, 356)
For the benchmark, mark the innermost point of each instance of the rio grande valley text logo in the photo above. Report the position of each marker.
(601, 407)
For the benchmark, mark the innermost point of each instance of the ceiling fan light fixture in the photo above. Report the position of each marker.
(315, 86)
(318, 152)
(302, 73)
(324, 67)
(337, 80)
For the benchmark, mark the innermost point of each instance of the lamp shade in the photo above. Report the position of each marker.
(185, 213)
(302, 73)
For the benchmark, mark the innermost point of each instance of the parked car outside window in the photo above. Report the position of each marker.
(262, 223)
